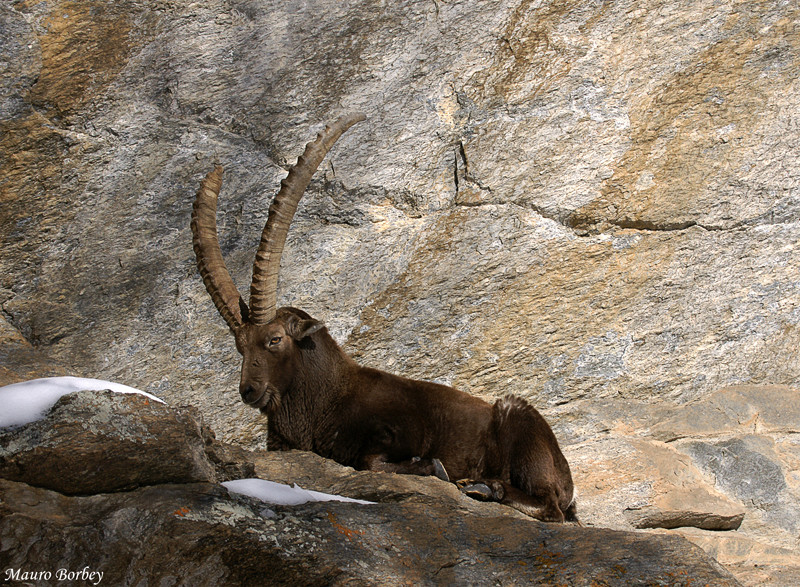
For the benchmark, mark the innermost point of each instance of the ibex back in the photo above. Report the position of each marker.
(318, 399)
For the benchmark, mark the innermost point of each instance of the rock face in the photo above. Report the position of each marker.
(592, 205)
(559, 200)
(188, 530)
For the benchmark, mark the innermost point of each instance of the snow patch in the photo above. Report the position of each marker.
(26, 402)
(280, 494)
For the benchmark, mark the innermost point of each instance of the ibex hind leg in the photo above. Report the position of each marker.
(533, 474)
(545, 509)
(499, 491)
(571, 514)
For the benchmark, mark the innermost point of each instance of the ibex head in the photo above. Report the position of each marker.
(266, 337)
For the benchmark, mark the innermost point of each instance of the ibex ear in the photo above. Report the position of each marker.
(300, 329)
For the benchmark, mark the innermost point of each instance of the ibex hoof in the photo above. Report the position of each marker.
(440, 471)
(476, 490)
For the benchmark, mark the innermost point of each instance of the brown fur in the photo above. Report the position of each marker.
(318, 399)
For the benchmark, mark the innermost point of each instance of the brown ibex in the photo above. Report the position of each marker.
(318, 399)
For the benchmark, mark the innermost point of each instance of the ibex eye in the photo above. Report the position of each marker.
(274, 340)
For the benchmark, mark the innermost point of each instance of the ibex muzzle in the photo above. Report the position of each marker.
(317, 398)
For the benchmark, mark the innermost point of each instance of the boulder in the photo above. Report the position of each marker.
(181, 530)
(101, 442)
(200, 534)
(19, 359)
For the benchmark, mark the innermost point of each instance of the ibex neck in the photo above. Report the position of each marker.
(306, 418)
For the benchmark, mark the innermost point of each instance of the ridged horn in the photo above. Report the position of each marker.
(212, 267)
(264, 288)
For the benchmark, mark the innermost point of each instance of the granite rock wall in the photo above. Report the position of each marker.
(594, 205)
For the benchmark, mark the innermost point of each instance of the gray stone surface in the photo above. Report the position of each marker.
(199, 534)
(727, 461)
(181, 531)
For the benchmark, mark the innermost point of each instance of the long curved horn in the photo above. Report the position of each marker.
(264, 288)
(212, 268)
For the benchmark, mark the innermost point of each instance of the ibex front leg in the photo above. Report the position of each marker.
(414, 466)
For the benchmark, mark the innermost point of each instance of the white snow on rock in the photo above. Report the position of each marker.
(22, 403)
(280, 494)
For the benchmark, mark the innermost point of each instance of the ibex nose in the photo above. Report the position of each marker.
(248, 393)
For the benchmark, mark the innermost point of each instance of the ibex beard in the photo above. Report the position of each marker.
(318, 399)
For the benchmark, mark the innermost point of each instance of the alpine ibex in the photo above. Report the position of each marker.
(317, 398)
